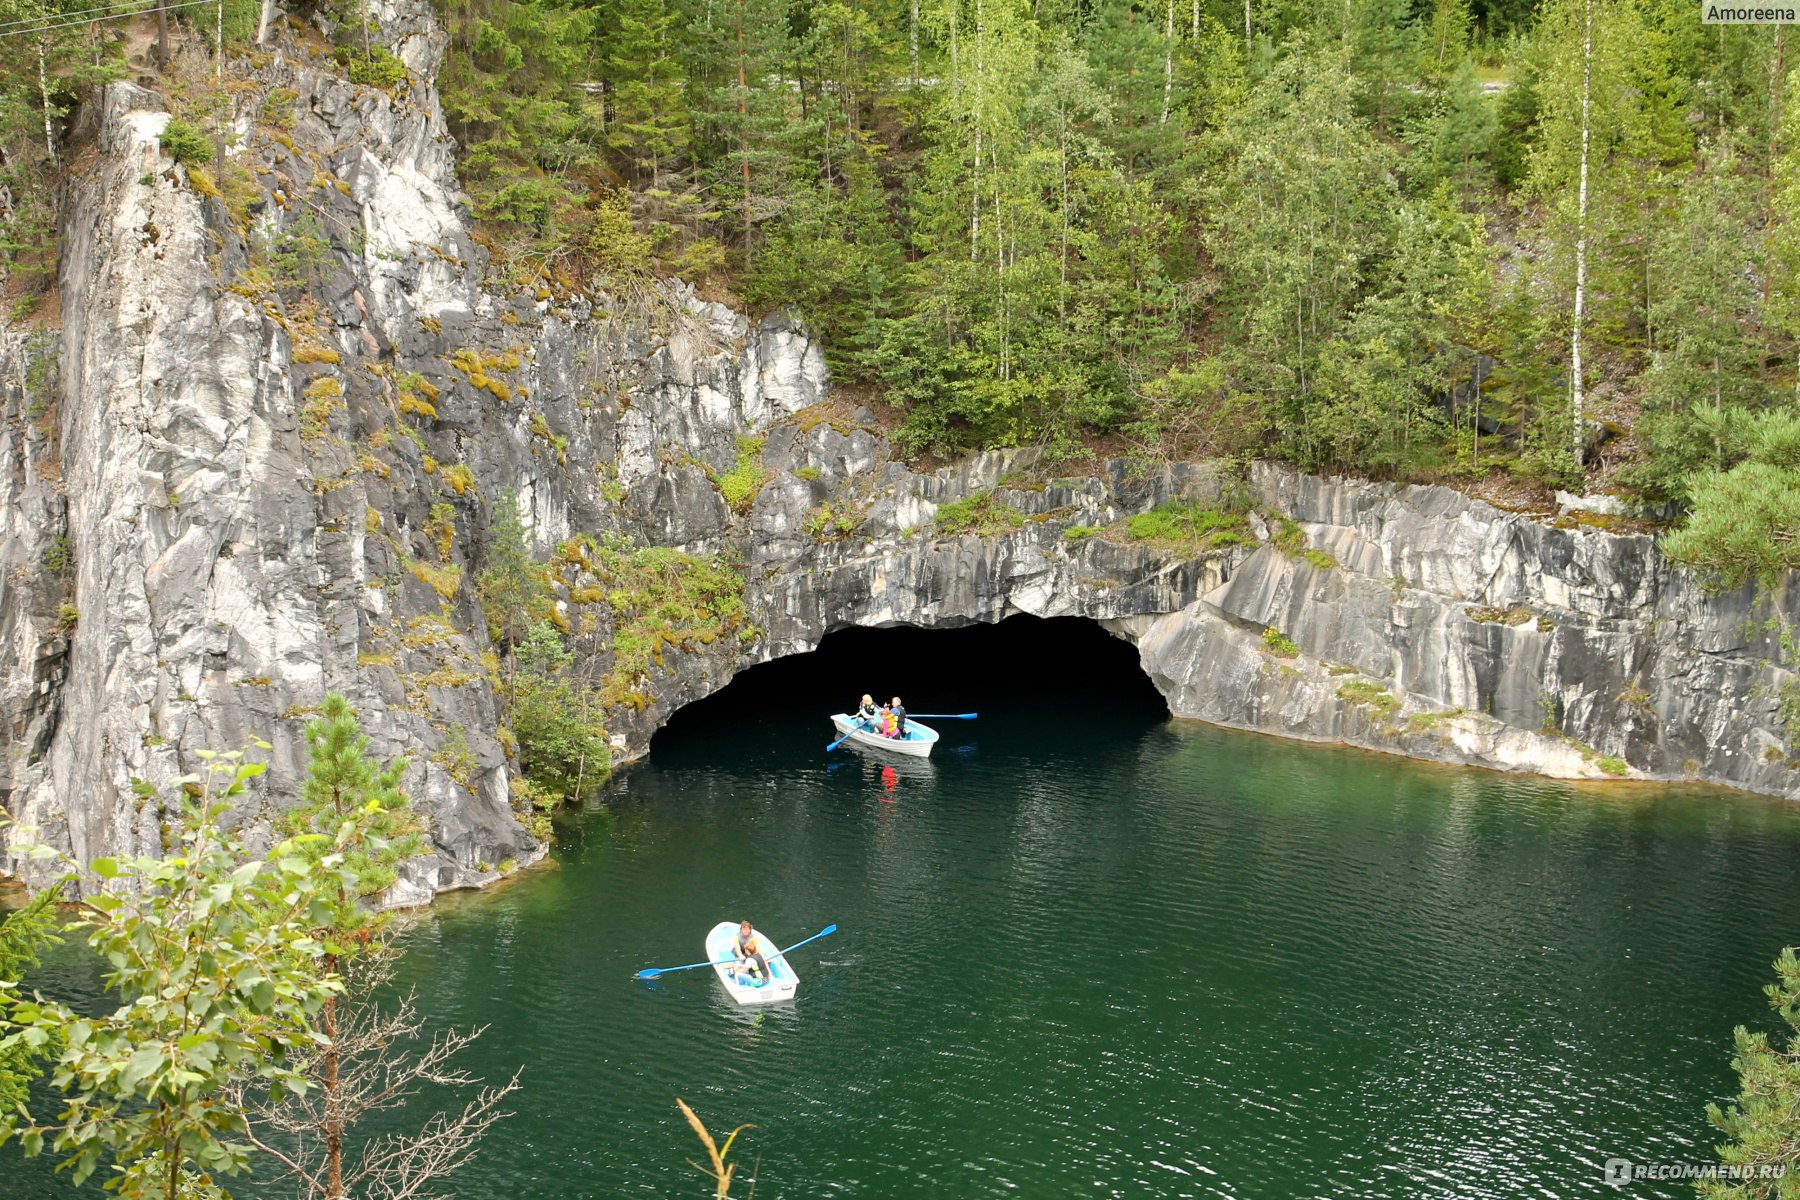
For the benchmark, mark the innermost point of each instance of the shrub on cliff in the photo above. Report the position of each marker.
(186, 143)
(562, 744)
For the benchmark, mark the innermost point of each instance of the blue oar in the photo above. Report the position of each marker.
(832, 928)
(942, 716)
(853, 729)
(653, 972)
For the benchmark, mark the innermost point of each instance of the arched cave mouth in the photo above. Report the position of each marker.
(1066, 669)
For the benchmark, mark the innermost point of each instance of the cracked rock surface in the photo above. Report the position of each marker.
(221, 497)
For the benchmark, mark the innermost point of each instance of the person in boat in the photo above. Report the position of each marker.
(896, 719)
(868, 714)
(750, 954)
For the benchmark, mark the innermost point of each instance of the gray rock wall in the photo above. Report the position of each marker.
(220, 497)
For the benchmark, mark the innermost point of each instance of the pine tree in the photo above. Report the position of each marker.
(748, 115)
(1462, 135)
(648, 120)
(1704, 356)
(353, 813)
(23, 933)
(1762, 1126)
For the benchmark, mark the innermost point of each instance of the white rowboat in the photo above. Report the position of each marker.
(917, 743)
(721, 949)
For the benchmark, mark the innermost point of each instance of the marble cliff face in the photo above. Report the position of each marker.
(218, 503)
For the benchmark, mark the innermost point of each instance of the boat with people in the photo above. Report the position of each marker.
(747, 986)
(915, 741)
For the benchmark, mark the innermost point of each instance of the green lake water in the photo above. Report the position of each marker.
(1113, 955)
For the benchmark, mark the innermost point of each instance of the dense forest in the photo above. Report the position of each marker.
(1505, 243)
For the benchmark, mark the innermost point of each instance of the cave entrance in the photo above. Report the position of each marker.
(1057, 669)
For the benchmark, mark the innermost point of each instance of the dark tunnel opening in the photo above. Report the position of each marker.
(1063, 669)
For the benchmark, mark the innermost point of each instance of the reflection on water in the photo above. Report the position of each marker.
(1160, 960)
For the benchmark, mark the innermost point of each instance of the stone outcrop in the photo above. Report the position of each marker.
(260, 460)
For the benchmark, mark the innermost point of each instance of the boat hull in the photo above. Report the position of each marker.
(917, 743)
(721, 951)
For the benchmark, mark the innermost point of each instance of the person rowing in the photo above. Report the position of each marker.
(897, 719)
(868, 714)
(750, 954)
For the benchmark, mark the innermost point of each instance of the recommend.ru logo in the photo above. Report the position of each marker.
(1621, 1171)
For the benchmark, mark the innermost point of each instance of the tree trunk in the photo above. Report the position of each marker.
(914, 33)
(955, 62)
(975, 184)
(1168, 62)
(162, 35)
(1477, 376)
(333, 1129)
(262, 21)
(1769, 199)
(744, 135)
(975, 204)
(1246, 31)
(1062, 285)
(1581, 232)
(44, 96)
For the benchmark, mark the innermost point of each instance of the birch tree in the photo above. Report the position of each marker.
(1588, 168)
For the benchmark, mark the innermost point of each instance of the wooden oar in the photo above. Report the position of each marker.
(653, 972)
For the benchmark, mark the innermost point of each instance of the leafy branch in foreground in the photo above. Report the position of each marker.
(215, 962)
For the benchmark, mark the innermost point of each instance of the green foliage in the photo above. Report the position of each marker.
(215, 961)
(1743, 526)
(59, 559)
(380, 67)
(1362, 693)
(351, 808)
(40, 77)
(1190, 525)
(1279, 644)
(662, 598)
(740, 484)
(23, 933)
(186, 143)
(827, 523)
(514, 589)
(1761, 1126)
(299, 255)
(562, 745)
(980, 514)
